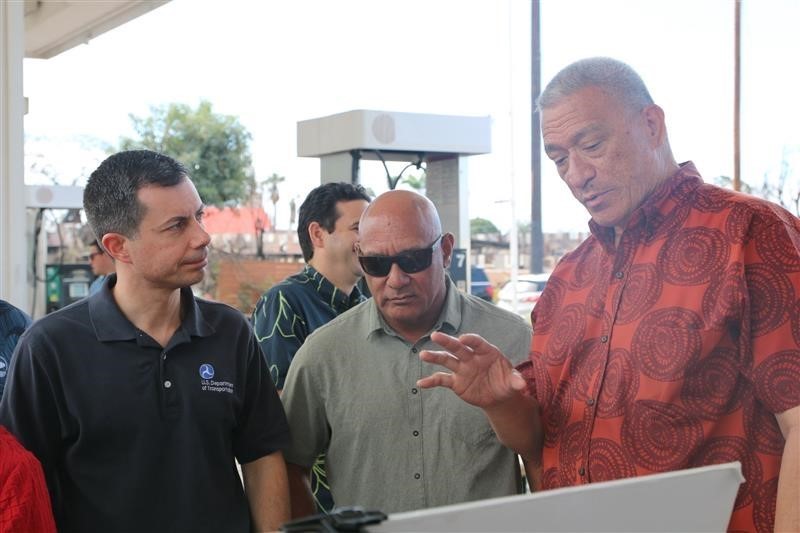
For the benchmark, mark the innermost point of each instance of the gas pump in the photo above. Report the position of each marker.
(66, 284)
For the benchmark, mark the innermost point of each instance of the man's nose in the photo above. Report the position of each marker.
(396, 277)
(579, 172)
(202, 239)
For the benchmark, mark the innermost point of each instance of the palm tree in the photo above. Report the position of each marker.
(274, 196)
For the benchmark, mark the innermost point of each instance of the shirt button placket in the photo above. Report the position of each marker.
(167, 383)
(416, 420)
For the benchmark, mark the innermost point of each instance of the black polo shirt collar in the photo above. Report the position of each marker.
(111, 325)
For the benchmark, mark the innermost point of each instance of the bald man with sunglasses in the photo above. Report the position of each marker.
(351, 390)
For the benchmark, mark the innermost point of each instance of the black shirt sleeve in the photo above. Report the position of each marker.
(262, 427)
(33, 407)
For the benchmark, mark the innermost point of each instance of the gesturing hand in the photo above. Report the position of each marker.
(479, 373)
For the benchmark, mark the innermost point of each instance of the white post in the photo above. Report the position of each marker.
(13, 248)
(336, 167)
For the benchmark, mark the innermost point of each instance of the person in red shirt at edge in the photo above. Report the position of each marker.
(670, 338)
(24, 500)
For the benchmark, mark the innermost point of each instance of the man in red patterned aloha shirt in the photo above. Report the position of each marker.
(670, 338)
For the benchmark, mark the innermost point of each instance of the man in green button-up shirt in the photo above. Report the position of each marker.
(351, 390)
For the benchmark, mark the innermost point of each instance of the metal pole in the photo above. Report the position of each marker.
(537, 238)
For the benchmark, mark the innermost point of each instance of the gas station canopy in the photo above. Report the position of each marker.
(52, 27)
(394, 133)
(38, 29)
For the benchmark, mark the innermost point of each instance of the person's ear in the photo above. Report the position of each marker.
(116, 246)
(655, 125)
(448, 240)
(316, 233)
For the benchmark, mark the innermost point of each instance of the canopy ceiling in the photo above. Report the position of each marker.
(51, 26)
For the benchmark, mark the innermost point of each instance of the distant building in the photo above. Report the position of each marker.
(492, 251)
(248, 231)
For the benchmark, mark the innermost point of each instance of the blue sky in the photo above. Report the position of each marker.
(275, 63)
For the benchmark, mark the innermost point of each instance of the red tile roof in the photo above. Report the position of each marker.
(235, 220)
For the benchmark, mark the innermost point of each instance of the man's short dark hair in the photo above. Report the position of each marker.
(110, 197)
(320, 207)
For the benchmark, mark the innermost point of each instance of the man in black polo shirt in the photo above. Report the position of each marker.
(138, 399)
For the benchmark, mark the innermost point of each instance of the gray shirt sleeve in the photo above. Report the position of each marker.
(304, 396)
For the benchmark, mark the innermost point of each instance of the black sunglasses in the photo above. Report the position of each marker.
(410, 262)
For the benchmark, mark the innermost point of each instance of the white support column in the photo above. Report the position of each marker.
(446, 186)
(336, 167)
(13, 248)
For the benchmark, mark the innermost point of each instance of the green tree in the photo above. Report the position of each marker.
(215, 148)
(415, 182)
(482, 225)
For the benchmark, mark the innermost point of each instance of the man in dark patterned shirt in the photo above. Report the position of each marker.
(670, 338)
(291, 310)
(12, 323)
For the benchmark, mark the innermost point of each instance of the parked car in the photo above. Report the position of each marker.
(529, 289)
(481, 286)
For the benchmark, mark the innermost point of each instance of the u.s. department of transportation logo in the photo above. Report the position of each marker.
(206, 371)
(208, 383)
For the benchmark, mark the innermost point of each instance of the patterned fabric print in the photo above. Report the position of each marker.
(676, 348)
(291, 310)
(24, 500)
(284, 317)
(13, 323)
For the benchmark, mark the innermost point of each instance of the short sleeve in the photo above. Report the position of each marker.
(772, 279)
(33, 408)
(536, 379)
(304, 402)
(261, 428)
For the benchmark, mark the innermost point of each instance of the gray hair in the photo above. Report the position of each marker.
(611, 74)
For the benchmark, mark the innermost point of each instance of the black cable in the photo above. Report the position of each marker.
(37, 228)
(393, 181)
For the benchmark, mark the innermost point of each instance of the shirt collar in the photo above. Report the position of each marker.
(111, 325)
(647, 218)
(337, 299)
(448, 322)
